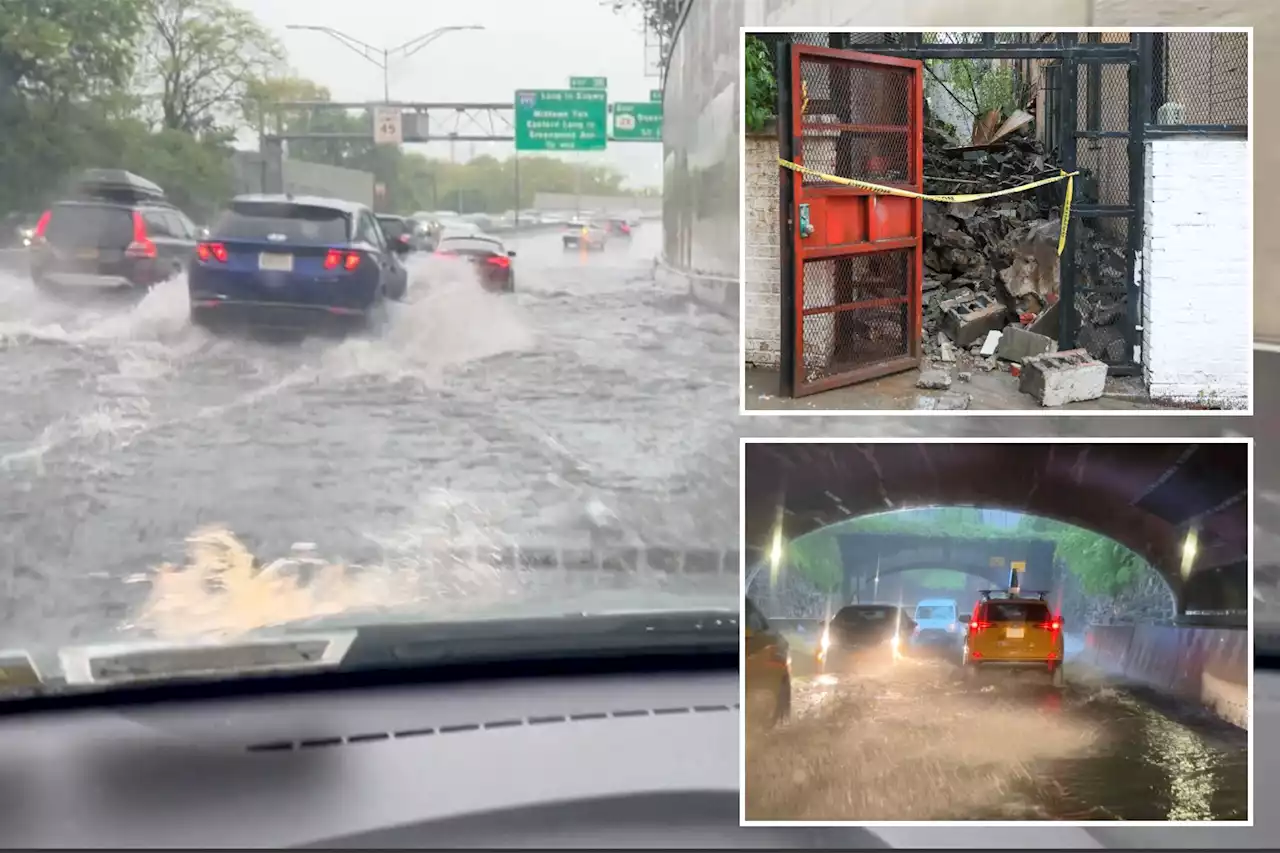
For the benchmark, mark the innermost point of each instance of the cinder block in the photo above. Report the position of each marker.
(1055, 379)
(970, 321)
(1018, 344)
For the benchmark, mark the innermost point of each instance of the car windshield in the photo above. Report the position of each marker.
(935, 611)
(266, 404)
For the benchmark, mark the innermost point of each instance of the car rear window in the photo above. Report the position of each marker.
(90, 225)
(1017, 611)
(296, 223)
(394, 227)
(935, 611)
(471, 246)
(864, 615)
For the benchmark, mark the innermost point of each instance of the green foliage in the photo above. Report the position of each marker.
(1102, 565)
(200, 58)
(160, 87)
(980, 87)
(762, 85)
(660, 16)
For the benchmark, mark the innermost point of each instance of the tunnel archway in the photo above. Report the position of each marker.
(1147, 496)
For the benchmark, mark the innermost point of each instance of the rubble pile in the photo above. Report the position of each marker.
(993, 263)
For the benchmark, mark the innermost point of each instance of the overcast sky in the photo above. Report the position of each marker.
(523, 45)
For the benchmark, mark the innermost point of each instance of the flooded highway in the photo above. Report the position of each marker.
(588, 408)
(916, 742)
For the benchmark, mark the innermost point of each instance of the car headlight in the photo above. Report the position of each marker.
(895, 641)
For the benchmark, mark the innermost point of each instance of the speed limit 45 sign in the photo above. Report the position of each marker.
(386, 126)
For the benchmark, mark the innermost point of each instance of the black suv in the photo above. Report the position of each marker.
(118, 231)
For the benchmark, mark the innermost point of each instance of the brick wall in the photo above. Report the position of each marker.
(1197, 290)
(760, 273)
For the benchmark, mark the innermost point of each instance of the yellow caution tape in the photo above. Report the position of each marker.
(880, 189)
(804, 93)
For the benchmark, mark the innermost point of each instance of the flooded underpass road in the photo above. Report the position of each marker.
(587, 408)
(917, 743)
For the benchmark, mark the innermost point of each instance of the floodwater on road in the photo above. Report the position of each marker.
(914, 742)
(588, 408)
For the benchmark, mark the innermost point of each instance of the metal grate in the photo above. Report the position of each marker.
(1102, 105)
(856, 312)
(868, 111)
(1102, 288)
(1200, 78)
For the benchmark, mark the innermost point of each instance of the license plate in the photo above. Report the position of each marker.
(1014, 633)
(87, 255)
(275, 263)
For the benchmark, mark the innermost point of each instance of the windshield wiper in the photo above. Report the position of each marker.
(570, 636)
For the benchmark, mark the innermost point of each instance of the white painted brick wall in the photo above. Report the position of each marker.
(762, 310)
(1197, 338)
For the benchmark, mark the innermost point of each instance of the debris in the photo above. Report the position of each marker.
(986, 364)
(1017, 344)
(933, 379)
(964, 376)
(947, 352)
(950, 401)
(990, 345)
(1055, 379)
(1005, 249)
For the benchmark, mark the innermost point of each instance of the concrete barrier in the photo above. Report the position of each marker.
(1207, 666)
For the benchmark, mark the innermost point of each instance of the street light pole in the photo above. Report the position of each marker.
(381, 56)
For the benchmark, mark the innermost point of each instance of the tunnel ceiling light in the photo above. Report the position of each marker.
(775, 550)
(1190, 546)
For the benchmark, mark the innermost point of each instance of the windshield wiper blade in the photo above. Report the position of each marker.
(569, 636)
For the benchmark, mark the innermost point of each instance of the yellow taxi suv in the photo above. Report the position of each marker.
(1013, 631)
(766, 671)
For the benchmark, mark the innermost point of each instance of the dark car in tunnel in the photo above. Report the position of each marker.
(767, 670)
(862, 635)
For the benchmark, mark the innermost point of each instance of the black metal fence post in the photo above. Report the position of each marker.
(786, 227)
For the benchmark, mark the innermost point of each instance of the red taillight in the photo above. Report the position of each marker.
(976, 625)
(216, 251)
(141, 247)
(42, 224)
(403, 238)
(335, 258)
(499, 261)
(1052, 625)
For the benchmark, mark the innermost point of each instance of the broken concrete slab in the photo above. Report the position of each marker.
(1017, 344)
(950, 401)
(933, 379)
(991, 344)
(969, 321)
(947, 352)
(1055, 379)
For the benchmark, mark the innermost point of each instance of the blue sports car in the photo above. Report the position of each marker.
(281, 259)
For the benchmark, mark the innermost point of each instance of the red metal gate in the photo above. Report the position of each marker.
(854, 257)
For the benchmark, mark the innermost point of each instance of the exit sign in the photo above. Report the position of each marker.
(588, 82)
(655, 96)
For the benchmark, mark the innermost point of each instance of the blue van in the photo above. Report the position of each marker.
(937, 623)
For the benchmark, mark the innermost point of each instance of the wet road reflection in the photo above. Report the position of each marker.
(915, 742)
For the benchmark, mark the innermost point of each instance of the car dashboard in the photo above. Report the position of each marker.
(603, 761)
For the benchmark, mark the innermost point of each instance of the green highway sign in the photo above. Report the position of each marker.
(561, 119)
(639, 121)
(588, 82)
(655, 96)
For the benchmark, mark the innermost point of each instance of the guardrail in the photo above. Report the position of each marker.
(654, 560)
